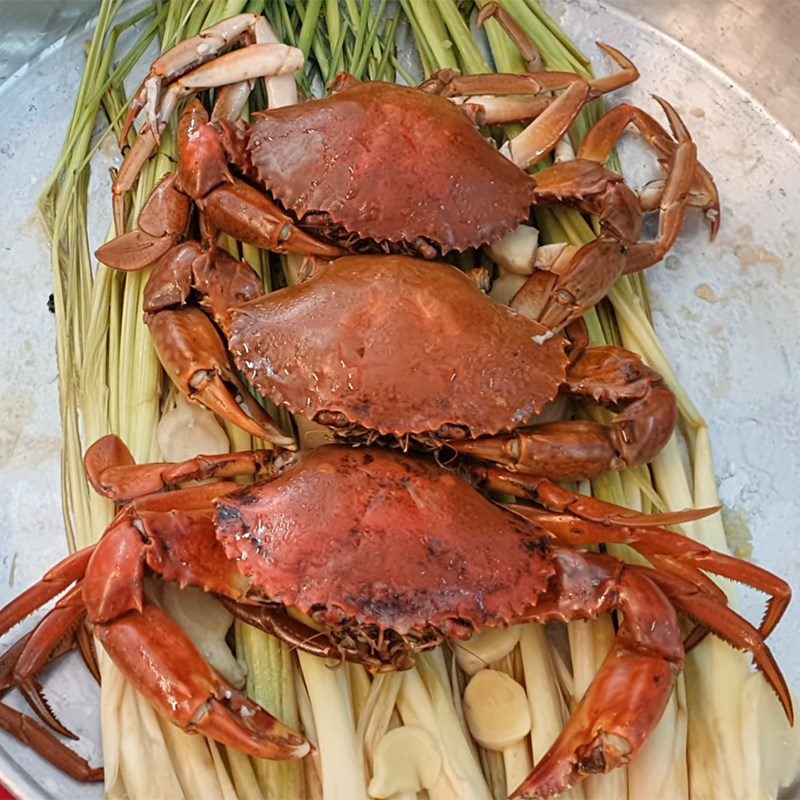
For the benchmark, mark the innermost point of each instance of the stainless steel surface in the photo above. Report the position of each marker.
(753, 41)
(728, 312)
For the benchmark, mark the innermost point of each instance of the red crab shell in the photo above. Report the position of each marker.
(399, 346)
(386, 539)
(391, 164)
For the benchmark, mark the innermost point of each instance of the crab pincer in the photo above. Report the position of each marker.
(193, 355)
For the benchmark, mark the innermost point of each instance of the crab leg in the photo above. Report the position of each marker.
(669, 551)
(163, 220)
(256, 60)
(578, 449)
(681, 172)
(37, 737)
(193, 53)
(266, 58)
(58, 625)
(247, 214)
(527, 49)
(164, 665)
(193, 355)
(541, 135)
(629, 693)
(152, 650)
(135, 159)
(727, 625)
(490, 110)
(114, 474)
(54, 581)
(278, 623)
(606, 132)
(575, 282)
(229, 204)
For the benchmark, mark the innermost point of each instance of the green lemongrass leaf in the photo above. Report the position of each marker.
(504, 52)
(311, 37)
(469, 54)
(371, 37)
(388, 49)
(401, 71)
(336, 54)
(362, 29)
(333, 20)
(559, 33)
(431, 29)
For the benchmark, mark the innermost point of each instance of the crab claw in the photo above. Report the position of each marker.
(163, 220)
(164, 665)
(113, 473)
(193, 355)
(183, 58)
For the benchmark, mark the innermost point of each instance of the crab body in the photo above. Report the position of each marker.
(417, 553)
(398, 346)
(387, 555)
(389, 166)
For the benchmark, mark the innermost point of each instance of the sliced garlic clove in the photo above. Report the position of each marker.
(496, 710)
(505, 287)
(486, 647)
(189, 430)
(407, 759)
(516, 251)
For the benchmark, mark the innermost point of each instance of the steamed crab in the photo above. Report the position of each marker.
(419, 555)
(390, 347)
(381, 167)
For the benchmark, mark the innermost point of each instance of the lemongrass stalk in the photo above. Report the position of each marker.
(415, 708)
(388, 45)
(432, 29)
(312, 763)
(359, 689)
(715, 674)
(375, 717)
(547, 708)
(113, 687)
(362, 31)
(644, 339)
(333, 21)
(401, 71)
(337, 50)
(193, 763)
(146, 768)
(436, 660)
(317, 44)
(308, 28)
(659, 769)
(227, 788)
(517, 758)
(370, 39)
(270, 682)
(469, 55)
(243, 775)
(343, 772)
(427, 57)
(456, 750)
(458, 681)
